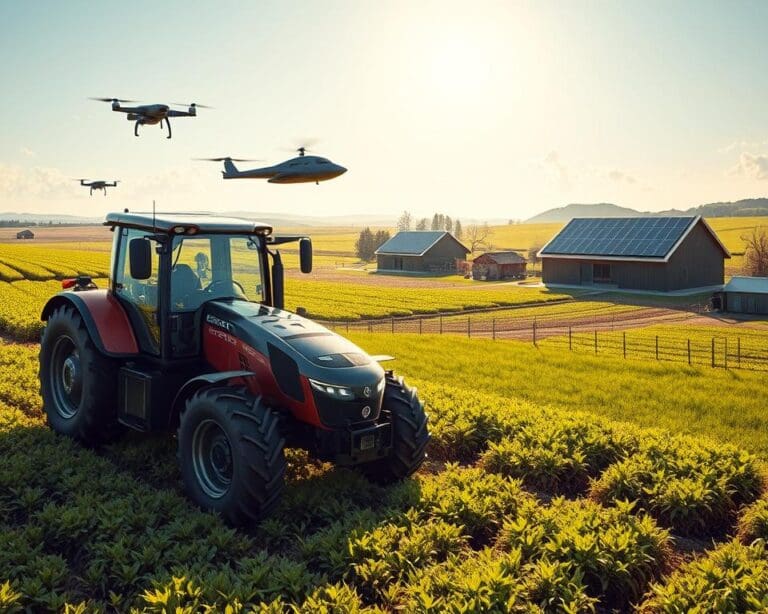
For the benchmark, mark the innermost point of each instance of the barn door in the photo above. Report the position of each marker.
(586, 272)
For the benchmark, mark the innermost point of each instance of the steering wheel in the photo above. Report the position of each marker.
(230, 284)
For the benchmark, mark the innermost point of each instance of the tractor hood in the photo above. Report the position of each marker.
(319, 353)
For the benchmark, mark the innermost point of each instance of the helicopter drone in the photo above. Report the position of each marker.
(152, 113)
(301, 169)
(98, 185)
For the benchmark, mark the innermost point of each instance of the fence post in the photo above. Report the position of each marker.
(493, 328)
(738, 352)
(347, 326)
(713, 352)
(657, 347)
(441, 324)
(469, 326)
(624, 342)
(689, 351)
(370, 327)
(570, 339)
(595, 341)
(534, 332)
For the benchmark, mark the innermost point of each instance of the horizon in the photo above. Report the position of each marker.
(533, 105)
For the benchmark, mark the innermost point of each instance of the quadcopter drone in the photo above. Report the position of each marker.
(301, 169)
(152, 113)
(98, 185)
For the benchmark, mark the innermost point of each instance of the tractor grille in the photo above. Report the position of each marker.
(336, 414)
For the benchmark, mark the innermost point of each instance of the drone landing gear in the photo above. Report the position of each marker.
(168, 123)
(136, 127)
(90, 192)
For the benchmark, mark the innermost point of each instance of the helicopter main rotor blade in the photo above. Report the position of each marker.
(228, 158)
(112, 99)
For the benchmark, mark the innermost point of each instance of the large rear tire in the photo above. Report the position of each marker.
(231, 454)
(410, 434)
(78, 383)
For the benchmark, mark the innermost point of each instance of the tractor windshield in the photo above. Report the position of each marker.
(207, 267)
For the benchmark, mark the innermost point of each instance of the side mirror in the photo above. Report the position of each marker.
(305, 255)
(140, 258)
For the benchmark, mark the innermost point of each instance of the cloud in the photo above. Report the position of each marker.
(754, 166)
(621, 177)
(556, 169)
(742, 146)
(36, 182)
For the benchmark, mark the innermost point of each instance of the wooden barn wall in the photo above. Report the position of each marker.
(698, 261)
(746, 302)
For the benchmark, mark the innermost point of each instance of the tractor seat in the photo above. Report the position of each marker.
(185, 286)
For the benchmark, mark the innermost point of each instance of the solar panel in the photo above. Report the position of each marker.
(651, 237)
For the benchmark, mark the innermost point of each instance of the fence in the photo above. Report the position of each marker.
(603, 336)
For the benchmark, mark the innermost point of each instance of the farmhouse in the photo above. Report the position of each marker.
(644, 253)
(428, 251)
(746, 295)
(499, 265)
(25, 234)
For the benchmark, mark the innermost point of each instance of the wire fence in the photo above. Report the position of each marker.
(620, 335)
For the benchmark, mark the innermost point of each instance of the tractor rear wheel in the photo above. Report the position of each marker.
(231, 454)
(410, 434)
(77, 382)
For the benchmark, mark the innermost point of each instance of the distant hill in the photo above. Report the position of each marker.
(740, 208)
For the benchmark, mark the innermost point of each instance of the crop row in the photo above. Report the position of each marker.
(41, 263)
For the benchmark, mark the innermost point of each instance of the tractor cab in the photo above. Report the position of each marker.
(165, 268)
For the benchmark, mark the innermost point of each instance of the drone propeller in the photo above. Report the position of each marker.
(113, 99)
(194, 104)
(228, 158)
(83, 179)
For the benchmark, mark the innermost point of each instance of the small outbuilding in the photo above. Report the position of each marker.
(425, 251)
(643, 253)
(499, 265)
(746, 295)
(25, 234)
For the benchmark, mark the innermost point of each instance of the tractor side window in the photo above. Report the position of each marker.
(246, 267)
(191, 272)
(139, 294)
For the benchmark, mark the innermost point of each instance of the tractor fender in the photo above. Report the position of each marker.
(104, 318)
(191, 386)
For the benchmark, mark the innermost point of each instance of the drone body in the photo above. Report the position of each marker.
(150, 114)
(97, 185)
(301, 169)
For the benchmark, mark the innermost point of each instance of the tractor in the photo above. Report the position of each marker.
(191, 337)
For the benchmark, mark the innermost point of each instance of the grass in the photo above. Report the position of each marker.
(726, 405)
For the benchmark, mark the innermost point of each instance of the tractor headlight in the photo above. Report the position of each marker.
(337, 392)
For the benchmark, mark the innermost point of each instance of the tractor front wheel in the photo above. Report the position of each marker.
(77, 382)
(231, 454)
(410, 434)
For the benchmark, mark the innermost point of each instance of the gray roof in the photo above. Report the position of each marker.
(748, 285)
(651, 239)
(414, 242)
(504, 257)
(210, 224)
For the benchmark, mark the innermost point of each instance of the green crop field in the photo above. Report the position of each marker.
(528, 503)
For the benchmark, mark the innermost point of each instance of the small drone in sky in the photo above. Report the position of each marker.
(152, 113)
(98, 185)
(301, 169)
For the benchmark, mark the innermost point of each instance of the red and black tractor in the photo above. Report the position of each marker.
(191, 337)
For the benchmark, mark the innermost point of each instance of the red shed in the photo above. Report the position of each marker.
(499, 265)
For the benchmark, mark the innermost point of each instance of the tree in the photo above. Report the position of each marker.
(435, 222)
(457, 230)
(533, 256)
(364, 245)
(478, 237)
(422, 225)
(756, 253)
(448, 223)
(440, 222)
(404, 221)
(380, 238)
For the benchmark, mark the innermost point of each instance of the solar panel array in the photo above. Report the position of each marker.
(645, 237)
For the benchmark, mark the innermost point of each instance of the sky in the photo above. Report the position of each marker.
(495, 110)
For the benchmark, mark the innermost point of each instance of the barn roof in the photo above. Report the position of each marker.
(748, 285)
(414, 242)
(503, 257)
(647, 239)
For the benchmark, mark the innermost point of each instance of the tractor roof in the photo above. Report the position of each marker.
(205, 224)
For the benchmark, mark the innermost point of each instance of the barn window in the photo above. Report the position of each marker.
(601, 272)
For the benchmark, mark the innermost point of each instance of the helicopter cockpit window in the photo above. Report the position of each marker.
(211, 267)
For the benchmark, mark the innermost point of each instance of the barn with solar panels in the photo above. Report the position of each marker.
(425, 251)
(644, 253)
